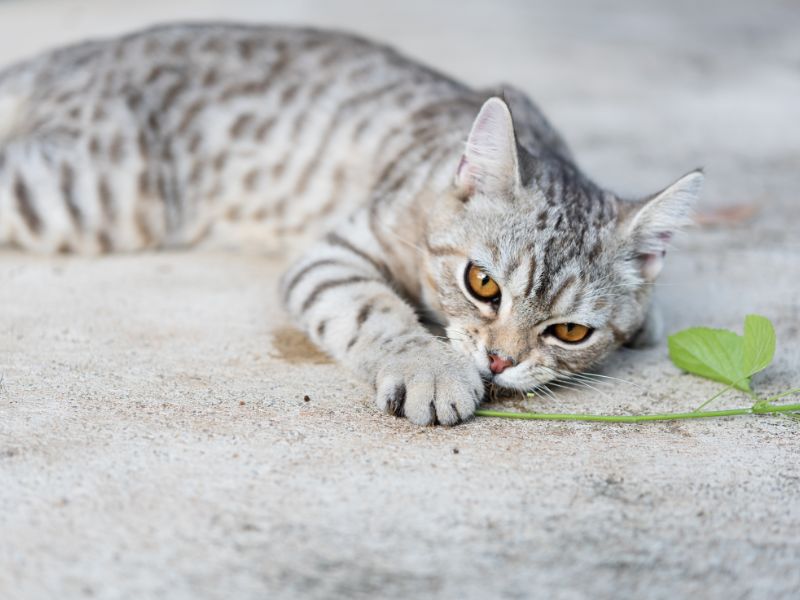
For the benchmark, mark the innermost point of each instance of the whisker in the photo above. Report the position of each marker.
(546, 391)
(581, 377)
(552, 393)
(619, 379)
(565, 385)
(594, 389)
(536, 392)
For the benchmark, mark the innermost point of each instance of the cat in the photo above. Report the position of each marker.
(413, 197)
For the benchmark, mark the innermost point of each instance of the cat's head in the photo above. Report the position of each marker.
(538, 272)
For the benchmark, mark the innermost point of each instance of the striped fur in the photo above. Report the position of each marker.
(176, 134)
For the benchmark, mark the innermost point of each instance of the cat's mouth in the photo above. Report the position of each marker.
(498, 381)
(515, 379)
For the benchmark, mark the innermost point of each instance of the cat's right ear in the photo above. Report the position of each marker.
(650, 224)
(489, 164)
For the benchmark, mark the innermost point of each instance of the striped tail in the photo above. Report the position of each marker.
(14, 88)
(8, 109)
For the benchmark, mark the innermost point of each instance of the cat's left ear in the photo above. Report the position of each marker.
(489, 164)
(649, 225)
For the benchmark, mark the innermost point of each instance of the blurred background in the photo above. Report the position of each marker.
(643, 91)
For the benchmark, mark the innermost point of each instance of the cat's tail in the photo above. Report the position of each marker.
(5, 195)
(14, 87)
(8, 111)
(11, 103)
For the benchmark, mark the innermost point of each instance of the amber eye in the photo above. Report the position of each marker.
(572, 333)
(481, 285)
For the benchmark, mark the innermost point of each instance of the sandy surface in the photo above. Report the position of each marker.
(154, 436)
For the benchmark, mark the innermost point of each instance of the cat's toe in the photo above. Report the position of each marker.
(435, 386)
(421, 391)
(455, 400)
(392, 396)
(428, 395)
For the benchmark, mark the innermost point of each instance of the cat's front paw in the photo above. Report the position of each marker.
(430, 385)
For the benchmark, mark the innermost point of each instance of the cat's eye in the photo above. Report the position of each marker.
(572, 333)
(480, 285)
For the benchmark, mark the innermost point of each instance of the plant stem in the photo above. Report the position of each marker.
(783, 395)
(753, 410)
(735, 384)
(714, 397)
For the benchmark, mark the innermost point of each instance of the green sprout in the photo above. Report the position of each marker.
(716, 354)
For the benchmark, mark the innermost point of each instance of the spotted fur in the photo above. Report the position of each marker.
(172, 135)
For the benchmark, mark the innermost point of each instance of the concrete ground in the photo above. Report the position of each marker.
(154, 437)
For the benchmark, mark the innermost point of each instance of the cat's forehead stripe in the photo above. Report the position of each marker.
(531, 275)
(559, 300)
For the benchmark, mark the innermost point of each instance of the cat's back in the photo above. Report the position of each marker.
(195, 122)
(228, 46)
(152, 138)
(225, 61)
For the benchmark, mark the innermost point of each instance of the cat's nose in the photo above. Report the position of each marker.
(498, 364)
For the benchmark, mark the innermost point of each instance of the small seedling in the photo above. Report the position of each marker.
(724, 356)
(716, 354)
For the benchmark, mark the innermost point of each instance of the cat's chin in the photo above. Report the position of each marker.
(534, 381)
(510, 381)
(510, 384)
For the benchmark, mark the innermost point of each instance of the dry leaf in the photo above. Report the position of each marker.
(727, 215)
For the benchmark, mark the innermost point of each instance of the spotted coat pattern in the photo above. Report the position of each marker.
(352, 158)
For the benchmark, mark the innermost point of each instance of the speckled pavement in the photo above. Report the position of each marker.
(156, 440)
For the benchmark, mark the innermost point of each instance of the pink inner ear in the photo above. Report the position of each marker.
(653, 262)
(465, 177)
(489, 161)
(652, 265)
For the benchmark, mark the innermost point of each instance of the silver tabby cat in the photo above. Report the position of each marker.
(167, 136)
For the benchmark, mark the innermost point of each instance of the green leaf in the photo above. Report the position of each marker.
(759, 344)
(716, 354)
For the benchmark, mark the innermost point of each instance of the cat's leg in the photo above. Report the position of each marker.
(341, 293)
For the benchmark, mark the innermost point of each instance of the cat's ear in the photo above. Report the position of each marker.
(489, 164)
(650, 224)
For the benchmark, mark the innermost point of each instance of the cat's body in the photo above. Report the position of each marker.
(163, 137)
(158, 137)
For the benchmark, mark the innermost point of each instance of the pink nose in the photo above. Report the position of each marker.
(498, 364)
